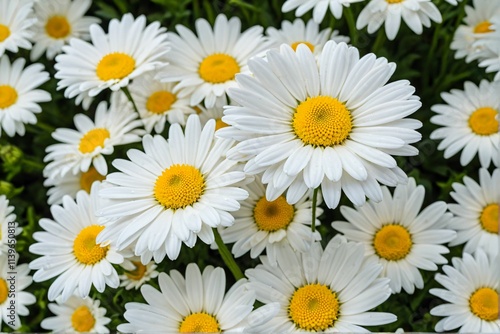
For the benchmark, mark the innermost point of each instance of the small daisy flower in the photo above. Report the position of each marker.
(469, 122)
(415, 13)
(171, 193)
(70, 250)
(129, 49)
(325, 291)
(79, 149)
(216, 113)
(76, 315)
(471, 288)
(205, 65)
(8, 225)
(261, 224)
(400, 237)
(136, 273)
(476, 212)
(333, 124)
(16, 21)
(19, 98)
(319, 7)
(58, 22)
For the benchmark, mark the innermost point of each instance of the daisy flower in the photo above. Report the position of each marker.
(70, 250)
(173, 192)
(319, 7)
(476, 212)
(197, 303)
(415, 13)
(129, 49)
(471, 288)
(7, 225)
(216, 113)
(324, 291)
(205, 65)
(76, 315)
(19, 98)
(399, 236)
(469, 122)
(261, 224)
(79, 149)
(491, 61)
(332, 124)
(16, 21)
(58, 22)
(136, 273)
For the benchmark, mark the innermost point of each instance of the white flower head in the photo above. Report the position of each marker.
(319, 7)
(16, 21)
(136, 274)
(8, 225)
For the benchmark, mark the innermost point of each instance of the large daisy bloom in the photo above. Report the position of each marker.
(129, 49)
(76, 315)
(136, 274)
(265, 225)
(469, 122)
(70, 250)
(19, 98)
(16, 21)
(8, 225)
(471, 288)
(171, 193)
(197, 303)
(476, 212)
(57, 22)
(328, 290)
(332, 124)
(415, 13)
(205, 65)
(399, 236)
(319, 7)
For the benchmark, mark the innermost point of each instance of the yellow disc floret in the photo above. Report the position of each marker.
(219, 124)
(138, 272)
(482, 121)
(218, 68)
(4, 291)
(296, 44)
(82, 319)
(392, 242)
(93, 139)
(394, 1)
(58, 27)
(4, 32)
(483, 27)
(484, 304)
(160, 101)
(89, 177)
(8, 96)
(115, 66)
(86, 250)
(273, 216)
(199, 323)
(489, 218)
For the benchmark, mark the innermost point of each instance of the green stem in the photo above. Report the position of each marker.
(129, 97)
(314, 201)
(227, 256)
(33, 164)
(379, 40)
(353, 32)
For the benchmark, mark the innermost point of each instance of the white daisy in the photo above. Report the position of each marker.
(400, 237)
(415, 13)
(323, 291)
(58, 22)
(70, 250)
(129, 49)
(319, 7)
(195, 304)
(216, 113)
(205, 65)
(19, 100)
(136, 274)
(8, 225)
(332, 124)
(491, 59)
(79, 149)
(76, 315)
(173, 192)
(261, 224)
(471, 288)
(469, 122)
(476, 212)
(16, 21)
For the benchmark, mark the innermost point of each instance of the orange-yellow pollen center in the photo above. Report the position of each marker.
(82, 319)
(392, 242)
(296, 44)
(483, 27)
(93, 139)
(8, 96)
(489, 218)
(273, 216)
(160, 102)
(218, 68)
(484, 304)
(89, 177)
(115, 66)
(199, 323)
(483, 122)
(138, 272)
(4, 32)
(86, 250)
(58, 27)
(4, 291)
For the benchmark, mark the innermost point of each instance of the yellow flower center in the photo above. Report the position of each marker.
(116, 65)
(489, 218)
(4, 32)
(392, 242)
(483, 122)
(273, 216)
(313, 307)
(394, 1)
(179, 186)
(85, 248)
(160, 101)
(4, 291)
(8, 96)
(296, 44)
(93, 139)
(322, 121)
(82, 319)
(483, 27)
(219, 124)
(58, 27)
(484, 304)
(199, 323)
(89, 177)
(218, 68)
(138, 272)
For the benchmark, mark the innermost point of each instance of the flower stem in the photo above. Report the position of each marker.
(129, 97)
(314, 201)
(227, 256)
(353, 32)
(379, 40)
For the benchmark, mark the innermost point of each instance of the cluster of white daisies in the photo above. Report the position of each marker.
(244, 134)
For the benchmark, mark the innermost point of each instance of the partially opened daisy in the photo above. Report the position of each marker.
(334, 124)
(8, 225)
(19, 98)
(471, 288)
(172, 193)
(399, 236)
(330, 290)
(205, 65)
(16, 21)
(415, 13)
(136, 274)
(111, 60)
(319, 7)
(469, 122)
(57, 22)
